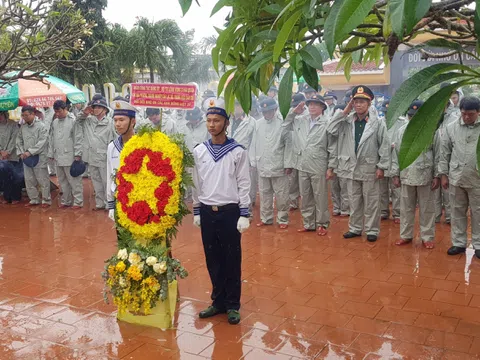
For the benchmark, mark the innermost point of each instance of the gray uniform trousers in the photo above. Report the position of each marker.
(268, 187)
(364, 206)
(294, 190)
(35, 177)
(384, 198)
(253, 185)
(99, 181)
(442, 201)
(408, 205)
(460, 199)
(387, 191)
(314, 192)
(71, 187)
(340, 199)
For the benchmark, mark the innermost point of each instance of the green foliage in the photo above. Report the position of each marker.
(43, 36)
(421, 128)
(345, 16)
(413, 87)
(285, 91)
(96, 43)
(262, 37)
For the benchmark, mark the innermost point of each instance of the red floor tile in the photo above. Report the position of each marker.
(407, 333)
(336, 336)
(451, 341)
(367, 326)
(302, 297)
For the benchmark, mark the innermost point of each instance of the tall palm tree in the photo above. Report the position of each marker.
(195, 65)
(207, 44)
(151, 46)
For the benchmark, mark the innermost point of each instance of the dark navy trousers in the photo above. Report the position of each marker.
(223, 252)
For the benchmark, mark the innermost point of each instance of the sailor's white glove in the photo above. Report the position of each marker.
(196, 221)
(243, 224)
(111, 214)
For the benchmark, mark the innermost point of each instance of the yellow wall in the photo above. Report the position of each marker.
(338, 81)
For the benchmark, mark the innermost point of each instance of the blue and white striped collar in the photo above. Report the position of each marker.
(118, 142)
(219, 152)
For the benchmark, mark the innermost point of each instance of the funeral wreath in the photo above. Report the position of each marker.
(151, 182)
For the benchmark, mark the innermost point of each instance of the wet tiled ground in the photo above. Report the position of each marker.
(303, 296)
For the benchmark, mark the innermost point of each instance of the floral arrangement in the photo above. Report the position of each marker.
(137, 280)
(147, 162)
(151, 182)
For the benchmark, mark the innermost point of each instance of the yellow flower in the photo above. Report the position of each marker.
(120, 267)
(111, 270)
(134, 273)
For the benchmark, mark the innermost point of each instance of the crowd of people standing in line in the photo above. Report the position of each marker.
(291, 160)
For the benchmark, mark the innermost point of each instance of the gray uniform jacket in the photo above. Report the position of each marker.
(243, 134)
(65, 140)
(458, 157)
(48, 116)
(271, 146)
(34, 139)
(169, 126)
(193, 134)
(312, 145)
(8, 139)
(392, 135)
(97, 135)
(373, 150)
(423, 169)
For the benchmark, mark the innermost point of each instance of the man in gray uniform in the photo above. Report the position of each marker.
(363, 157)
(64, 146)
(168, 125)
(418, 183)
(269, 153)
(294, 190)
(311, 157)
(386, 184)
(98, 132)
(10, 177)
(339, 187)
(241, 129)
(31, 142)
(442, 201)
(8, 137)
(459, 170)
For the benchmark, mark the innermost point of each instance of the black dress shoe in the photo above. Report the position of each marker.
(209, 312)
(455, 250)
(349, 235)
(477, 253)
(371, 238)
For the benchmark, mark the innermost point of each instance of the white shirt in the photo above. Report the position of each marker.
(221, 176)
(113, 163)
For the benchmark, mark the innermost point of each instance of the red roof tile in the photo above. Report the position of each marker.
(331, 67)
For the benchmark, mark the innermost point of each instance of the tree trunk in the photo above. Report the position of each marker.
(152, 75)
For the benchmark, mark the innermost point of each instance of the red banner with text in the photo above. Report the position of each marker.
(172, 96)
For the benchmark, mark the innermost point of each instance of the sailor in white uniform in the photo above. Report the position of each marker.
(124, 116)
(220, 206)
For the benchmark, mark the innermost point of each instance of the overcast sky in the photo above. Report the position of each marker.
(125, 11)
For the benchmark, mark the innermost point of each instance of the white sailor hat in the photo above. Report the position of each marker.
(121, 107)
(216, 106)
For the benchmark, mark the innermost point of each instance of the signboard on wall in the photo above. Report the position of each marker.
(171, 96)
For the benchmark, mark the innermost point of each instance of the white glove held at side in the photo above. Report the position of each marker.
(243, 224)
(196, 221)
(111, 214)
